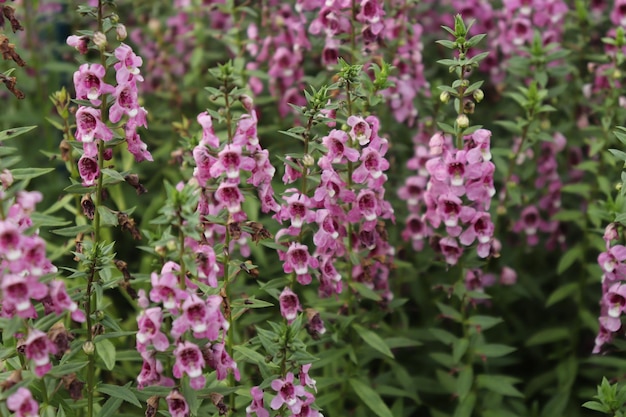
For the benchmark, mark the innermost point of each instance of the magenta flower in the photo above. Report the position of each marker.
(298, 260)
(126, 102)
(189, 360)
(89, 83)
(22, 403)
(450, 250)
(89, 170)
(128, 66)
(10, 240)
(177, 404)
(80, 43)
(38, 348)
(17, 292)
(289, 305)
(60, 301)
(135, 145)
(257, 404)
(149, 330)
(203, 317)
(151, 372)
(297, 210)
(229, 196)
(165, 289)
(360, 130)
(231, 161)
(89, 126)
(615, 299)
(338, 151)
(218, 359)
(304, 377)
(287, 393)
(208, 135)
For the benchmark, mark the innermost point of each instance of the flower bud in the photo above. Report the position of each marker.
(120, 30)
(444, 97)
(462, 121)
(308, 160)
(479, 95)
(100, 40)
(617, 74)
(89, 347)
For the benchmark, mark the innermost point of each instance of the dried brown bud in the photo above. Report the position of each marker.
(9, 13)
(152, 406)
(61, 338)
(133, 181)
(97, 329)
(14, 378)
(128, 223)
(315, 324)
(10, 82)
(66, 150)
(8, 52)
(89, 208)
(234, 228)
(218, 401)
(258, 231)
(73, 386)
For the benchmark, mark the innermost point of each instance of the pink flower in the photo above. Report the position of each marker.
(89, 126)
(38, 348)
(231, 161)
(305, 379)
(372, 166)
(297, 210)
(229, 196)
(23, 404)
(149, 330)
(177, 404)
(151, 372)
(128, 66)
(289, 305)
(17, 292)
(208, 135)
(89, 84)
(59, 301)
(89, 170)
(257, 404)
(189, 360)
(360, 130)
(165, 289)
(338, 151)
(298, 260)
(126, 102)
(203, 317)
(287, 393)
(218, 359)
(450, 249)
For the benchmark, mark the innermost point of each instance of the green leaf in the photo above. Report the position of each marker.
(549, 335)
(365, 291)
(618, 154)
(108, 217)
(110, 407)
(373, 340)
(596, 406)
(494, 350)
(191, 395)
(106, 351)
(459, 349)
(72, 231)
(28, 173)
(254, 356)
(569, 258)
(123, 393)
(562, 293)
(500, 384)
(466, 407)
(251, 303)
(449, 312)
(464, 382)
(371, 398)
(484, 322)
(15, 132)
(67, 368)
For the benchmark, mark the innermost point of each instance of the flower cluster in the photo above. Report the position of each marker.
(613, 301)
(91, 127)
(193, 318)
(289, 396)
(336, 202)
(457, 195)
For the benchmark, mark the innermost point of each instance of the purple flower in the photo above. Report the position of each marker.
(38, 348)
(218, 359)
(189, 360)
(23, 404)
(298, 260)
(287, 393)
(177, 404)
(257, 404)
(203, 317)
(149, 330)
(289, 305)
(89, 126)
(89, 84)
(89, 170)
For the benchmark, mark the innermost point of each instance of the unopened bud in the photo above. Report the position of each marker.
(89, 347)
(462, 121)
(6, 178)
(479, 95)
(444, 97)
(308, 160)
(617, 74)
(120, 30)
(100, 40)
(171, 245)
